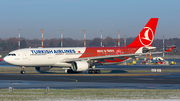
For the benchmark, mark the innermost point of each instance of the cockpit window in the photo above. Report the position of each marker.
(11, 55)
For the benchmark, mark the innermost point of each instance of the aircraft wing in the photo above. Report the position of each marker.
(125, 56)
(112, 58)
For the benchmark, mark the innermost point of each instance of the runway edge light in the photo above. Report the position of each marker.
(47, 90)
(10, 89)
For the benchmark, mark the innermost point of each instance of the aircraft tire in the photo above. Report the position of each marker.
(97, 71)
(93, 71)
(90, 71)
(22, 72)
(70, 71)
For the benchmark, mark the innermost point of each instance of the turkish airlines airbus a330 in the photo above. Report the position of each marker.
(77, 59)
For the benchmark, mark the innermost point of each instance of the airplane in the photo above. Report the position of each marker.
(79, 59)
(1, 59)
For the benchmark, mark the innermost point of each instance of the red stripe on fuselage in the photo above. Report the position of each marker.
(105, 51)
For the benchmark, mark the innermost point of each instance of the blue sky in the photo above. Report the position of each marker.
(73, 16)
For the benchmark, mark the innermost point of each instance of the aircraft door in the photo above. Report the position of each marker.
(50, 56)
(24, 55)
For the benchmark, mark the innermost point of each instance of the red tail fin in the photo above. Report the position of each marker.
(170, 49)
(146, 36)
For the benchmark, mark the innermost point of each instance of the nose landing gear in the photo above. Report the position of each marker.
(22, 70)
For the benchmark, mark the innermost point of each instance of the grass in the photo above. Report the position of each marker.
(14, 69)
(17, 69)
(88, 94)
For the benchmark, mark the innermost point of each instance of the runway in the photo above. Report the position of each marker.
(117, 78)
(63, 81)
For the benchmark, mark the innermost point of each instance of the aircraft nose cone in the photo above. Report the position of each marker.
(6, 59)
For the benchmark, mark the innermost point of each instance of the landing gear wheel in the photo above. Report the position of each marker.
(22, 72)
(70, 71)
(97, 71)
(94, 71)
(90, 71)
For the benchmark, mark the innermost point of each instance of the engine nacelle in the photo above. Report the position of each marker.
(42, 69)
(148, 49)
(80, 66)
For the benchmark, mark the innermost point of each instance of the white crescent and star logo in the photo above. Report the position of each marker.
(146, 37)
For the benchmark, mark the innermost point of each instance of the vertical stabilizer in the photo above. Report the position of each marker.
(146, 36)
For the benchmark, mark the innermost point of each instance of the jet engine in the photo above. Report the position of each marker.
(80, 66)
(148, 49)
(42, 69)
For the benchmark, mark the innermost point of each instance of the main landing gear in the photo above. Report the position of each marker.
(90, 71)
(22, 70)
(94, 71)
(70, 71)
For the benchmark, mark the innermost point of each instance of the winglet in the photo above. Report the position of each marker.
(170, 49)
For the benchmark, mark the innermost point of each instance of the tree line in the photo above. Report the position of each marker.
(7, 45)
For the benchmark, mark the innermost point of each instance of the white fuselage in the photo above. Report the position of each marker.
(43, 56)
